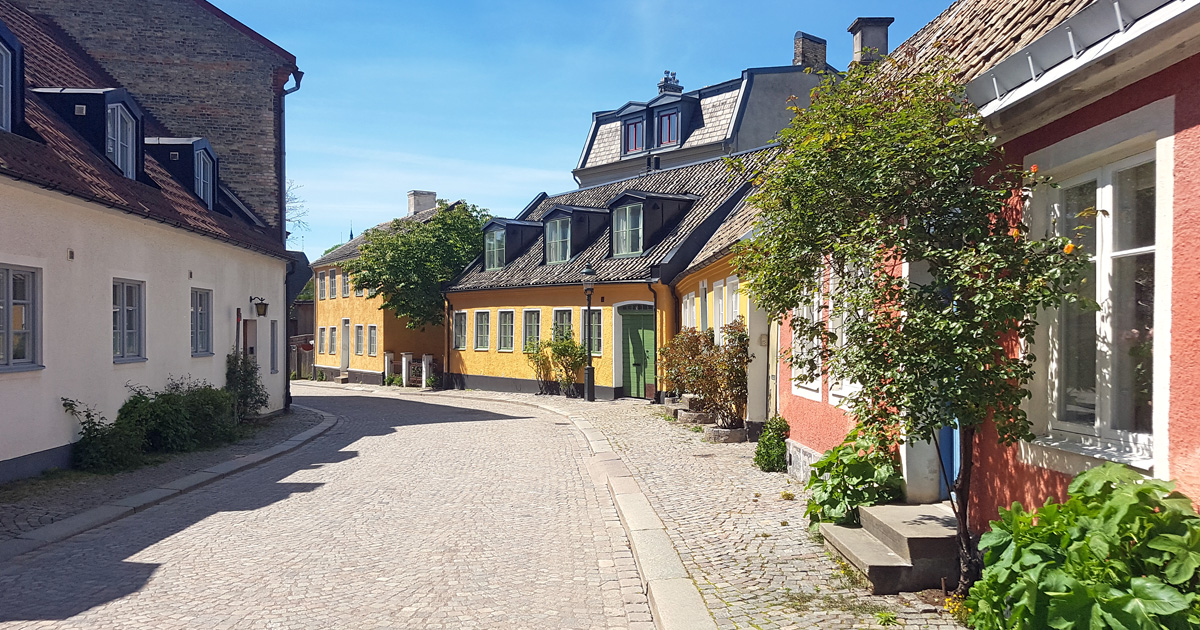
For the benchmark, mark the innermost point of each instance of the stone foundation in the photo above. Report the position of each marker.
(717, 435)
(800, 458)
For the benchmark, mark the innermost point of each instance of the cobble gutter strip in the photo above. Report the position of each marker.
(109, 512)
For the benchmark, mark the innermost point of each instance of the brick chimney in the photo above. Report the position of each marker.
(810, 51)
(870, 38)
(669, 84)
(421, 200)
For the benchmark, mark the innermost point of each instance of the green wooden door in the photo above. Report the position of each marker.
(637, 330)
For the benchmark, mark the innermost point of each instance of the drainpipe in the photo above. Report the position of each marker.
(650, 285)
(449, 319)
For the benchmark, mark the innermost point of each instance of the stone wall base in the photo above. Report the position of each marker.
(800, 458)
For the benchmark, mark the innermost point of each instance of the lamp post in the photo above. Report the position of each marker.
(589, 373)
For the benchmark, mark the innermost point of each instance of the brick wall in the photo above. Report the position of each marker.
(199, 75)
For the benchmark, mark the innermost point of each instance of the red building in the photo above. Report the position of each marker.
(1104, 97)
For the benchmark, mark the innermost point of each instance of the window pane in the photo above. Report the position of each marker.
(1079, 214)
(20, 346)
(1133, 343)
(1134, 212)
(132, 345)
(20, 286)
(1078, 362)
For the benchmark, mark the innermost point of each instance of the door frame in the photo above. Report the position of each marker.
(345, 349)
(619, 342)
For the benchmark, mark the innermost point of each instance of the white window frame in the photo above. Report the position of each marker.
(121, 139)
(372, 340)
(808, 311)
(841, 388)
(623, 235)
(459, 330)
(594, 339)
(201, 319)
(321, 340)
(333, 280)
(333, 338)
(6, 88)
(1102, 434)
(359, 339)
(274, 346)
(525, 328)
(493, 250)
(718, 311)
(321, 285)
(703, 310)
(483, 342)
(345, 284)
(558, 245)
(121, 326)
(33, 330)
(554, 321)
(512, 336)
(204, 177)
(689, 310)
(733, 304)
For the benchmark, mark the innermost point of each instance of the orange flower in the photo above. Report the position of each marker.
(1033, 169)
(1015, 233)
(1069, 248)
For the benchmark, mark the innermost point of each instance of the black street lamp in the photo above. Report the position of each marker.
(589, 373)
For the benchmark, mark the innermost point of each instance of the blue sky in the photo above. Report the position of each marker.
(491, 101)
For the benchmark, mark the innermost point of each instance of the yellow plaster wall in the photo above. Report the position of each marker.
(545, 299)
(393, 335)
(721, 269)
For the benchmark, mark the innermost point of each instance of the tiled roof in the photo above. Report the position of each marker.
(710, 181)
(736, 225)
(63, 160)
(979, 34)
(349, 249)
(710, 123)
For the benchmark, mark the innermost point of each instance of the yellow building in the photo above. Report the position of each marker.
(638, 234)
(356, 339)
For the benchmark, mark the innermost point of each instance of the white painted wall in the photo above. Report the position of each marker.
(38, 227)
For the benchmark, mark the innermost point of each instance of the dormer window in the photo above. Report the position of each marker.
(6, 88)
(668, 128)
(634, 136)
(627, 230)
(121, 140)
(493, 250)
(204, 177)
(558, 240)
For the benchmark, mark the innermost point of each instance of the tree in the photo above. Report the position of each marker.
(889, 165)
(294, 209)
(408, 262)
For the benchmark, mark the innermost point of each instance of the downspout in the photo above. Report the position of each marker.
(650, 285)
(449, 319)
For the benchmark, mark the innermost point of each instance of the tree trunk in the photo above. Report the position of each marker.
(970, 563)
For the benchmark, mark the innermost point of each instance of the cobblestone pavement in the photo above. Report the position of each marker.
(31, 503)
(413, 512)
(748, 550)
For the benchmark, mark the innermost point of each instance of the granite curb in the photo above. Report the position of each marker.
(120, 508)
(675, 600)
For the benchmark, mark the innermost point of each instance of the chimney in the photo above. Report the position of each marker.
(810, 51)
(421, 200)
(870, 38)
(669, 84)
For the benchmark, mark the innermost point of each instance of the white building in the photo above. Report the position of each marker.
(125, 258)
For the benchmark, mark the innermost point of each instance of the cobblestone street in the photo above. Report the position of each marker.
(452, 510)
(415, 513)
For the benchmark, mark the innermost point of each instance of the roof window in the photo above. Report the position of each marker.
(668, 128)
(121, 139)
(204, 177)
(633, 135)
(558, 240)
(493, 249)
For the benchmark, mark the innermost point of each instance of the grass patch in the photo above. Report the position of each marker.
(854, 605)
(695, 428)
(848, 575)
(48, 481)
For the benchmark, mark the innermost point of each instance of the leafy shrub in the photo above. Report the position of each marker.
(726, 368)
(1122, 552)
(771, 453)
(320, 375)
(862, 471)
(103, 446)
(539, 362)
(294, 376)
(569, 357)
(242, 380)
(682, 371)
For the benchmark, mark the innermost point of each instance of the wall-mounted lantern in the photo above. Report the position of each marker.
(260, 305)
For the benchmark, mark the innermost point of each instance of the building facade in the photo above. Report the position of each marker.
(125, 259)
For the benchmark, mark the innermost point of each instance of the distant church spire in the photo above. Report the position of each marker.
(352, 229)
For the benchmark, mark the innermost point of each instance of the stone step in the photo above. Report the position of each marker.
(695, 417)
(886, 571)
(913, 531)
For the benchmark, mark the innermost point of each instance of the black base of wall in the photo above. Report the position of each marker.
(35, 464)
(366, 378)
(520, 385)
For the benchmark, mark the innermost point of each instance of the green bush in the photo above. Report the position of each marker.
(1122, 552)
(726, 369)
(679, 358)
(104, 446)
(569, 357)
(320, 375)
(862, 471)
(242, 380)
(539, 362)
(771, 453)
